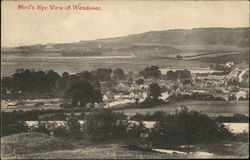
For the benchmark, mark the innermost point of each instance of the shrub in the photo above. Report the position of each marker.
(187, 128)
(136, 131)
(41, 128)
(60, 131)
(242, 137)
(74, 127)
(104, 124)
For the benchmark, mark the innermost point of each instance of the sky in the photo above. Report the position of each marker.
(116, 18)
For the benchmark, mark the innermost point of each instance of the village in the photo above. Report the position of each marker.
(231, 86)
(225, 81)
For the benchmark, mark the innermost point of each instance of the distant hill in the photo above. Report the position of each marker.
(154, 40)
(198, 36)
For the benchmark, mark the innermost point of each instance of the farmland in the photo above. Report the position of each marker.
(132, 58)
(76, 64)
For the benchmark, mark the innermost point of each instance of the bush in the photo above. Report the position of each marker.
(41, 128)
(136, 131)
(60, 131)
(242, 137)
(104, 124)
(187, 128)
(74, 127)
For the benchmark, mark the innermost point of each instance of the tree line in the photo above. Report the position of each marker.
(31, 81)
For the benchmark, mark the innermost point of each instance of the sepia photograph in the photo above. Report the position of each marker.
(124, 79)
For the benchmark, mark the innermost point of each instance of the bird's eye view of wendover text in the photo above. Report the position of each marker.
(107, 79)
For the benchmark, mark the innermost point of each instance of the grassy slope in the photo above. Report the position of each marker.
(41, 146)
(111, 151)
(26, 143)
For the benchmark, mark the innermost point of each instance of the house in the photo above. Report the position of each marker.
(229, 64)
(240, 94)
(233, 75)
(164, 96)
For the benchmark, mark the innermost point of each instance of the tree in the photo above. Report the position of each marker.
(83, 93)
(187, 128)
(118, 74)
(104, 124)
(74, 127)
(84, 76)
(41, 128)
(136, 130)
(65, 75)
(179, 74)
(103, 74)
(154, 90)
(131, 76)
(152, 71)
(52, 77)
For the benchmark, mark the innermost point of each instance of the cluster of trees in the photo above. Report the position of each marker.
(30, 81)
(187, 128)
(184, 127)
(41, 81)
(151, 72)
(153, 97)
(83, 93)
(178, 74)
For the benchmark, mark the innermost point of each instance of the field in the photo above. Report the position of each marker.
(76, 64)
(211, 108)
(134, 58)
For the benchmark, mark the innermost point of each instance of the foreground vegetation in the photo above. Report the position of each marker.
(41, 146)
(184, 127)
(112, 133)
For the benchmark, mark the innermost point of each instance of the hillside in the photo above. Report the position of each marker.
(167, 41)
(41, 146)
